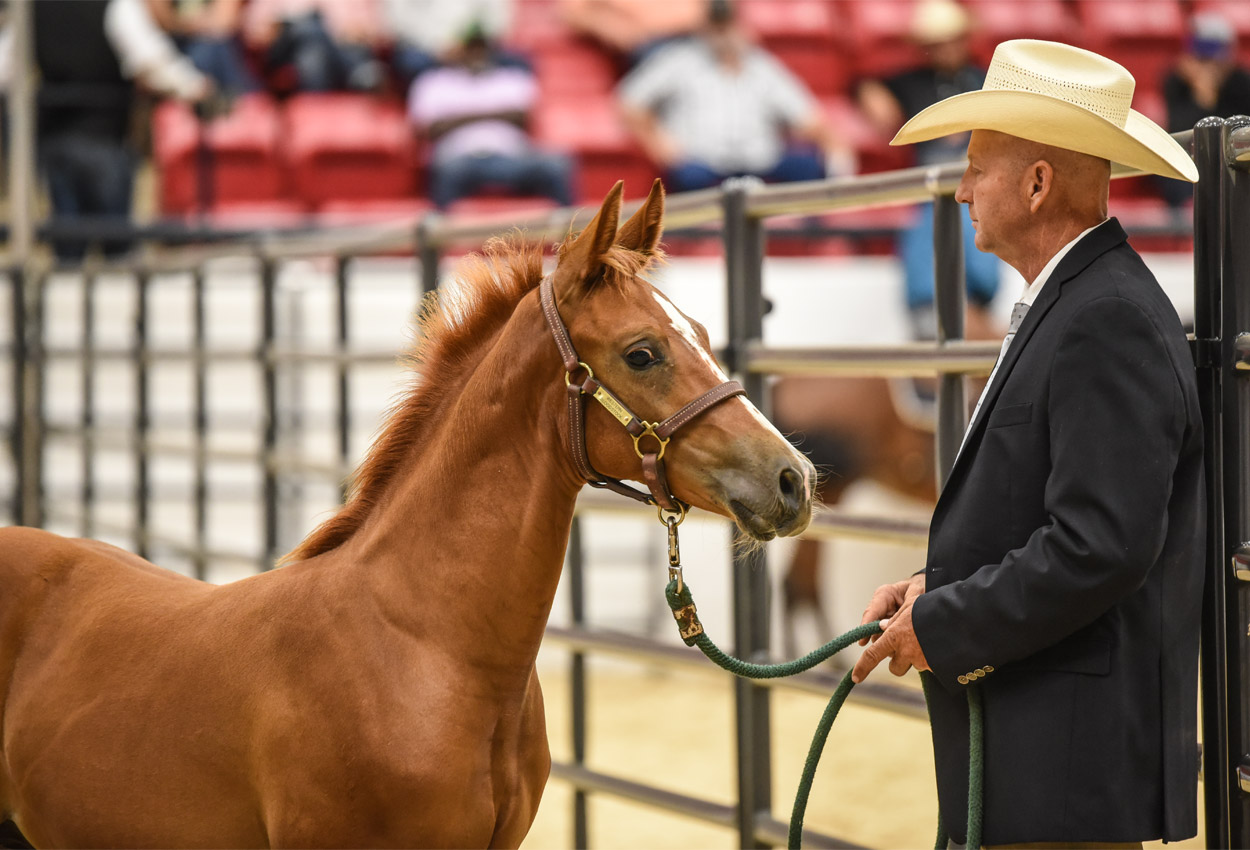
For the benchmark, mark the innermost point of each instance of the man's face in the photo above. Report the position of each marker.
(994, 188)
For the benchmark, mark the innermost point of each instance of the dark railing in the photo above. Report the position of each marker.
(262, 457)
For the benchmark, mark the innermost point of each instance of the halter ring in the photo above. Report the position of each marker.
(568, 378)
(649, 429)
(673, 518)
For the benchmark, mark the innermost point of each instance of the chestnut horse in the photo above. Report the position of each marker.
(379, 690)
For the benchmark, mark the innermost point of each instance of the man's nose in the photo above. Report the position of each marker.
(962, 194)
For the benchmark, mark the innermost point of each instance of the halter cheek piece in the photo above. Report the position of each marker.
(650, 438)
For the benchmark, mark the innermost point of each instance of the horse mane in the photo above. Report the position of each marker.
(449, 329)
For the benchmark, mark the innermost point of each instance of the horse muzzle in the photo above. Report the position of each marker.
(777, 504)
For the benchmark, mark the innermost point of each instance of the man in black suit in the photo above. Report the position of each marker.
(1064, 570)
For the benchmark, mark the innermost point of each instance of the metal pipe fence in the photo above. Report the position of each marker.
(249, 393)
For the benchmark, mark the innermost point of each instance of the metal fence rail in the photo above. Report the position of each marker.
(263, 451)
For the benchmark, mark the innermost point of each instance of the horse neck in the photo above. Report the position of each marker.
(469, 540)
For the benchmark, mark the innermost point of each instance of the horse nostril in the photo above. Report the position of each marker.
(791, 485)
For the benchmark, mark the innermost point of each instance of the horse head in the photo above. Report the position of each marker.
(654, 360)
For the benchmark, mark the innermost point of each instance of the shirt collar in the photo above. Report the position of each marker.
(1034, 289)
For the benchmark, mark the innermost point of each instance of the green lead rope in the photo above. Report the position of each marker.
(679, 599)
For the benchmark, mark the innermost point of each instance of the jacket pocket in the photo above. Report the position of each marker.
(1012, 414)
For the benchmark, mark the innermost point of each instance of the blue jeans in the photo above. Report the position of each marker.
(222, 60)
(531, 173)
(321, 63)
(796, 164)
(915, 249)
(88, 178)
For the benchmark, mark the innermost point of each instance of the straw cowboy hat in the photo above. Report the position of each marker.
(1058, 95)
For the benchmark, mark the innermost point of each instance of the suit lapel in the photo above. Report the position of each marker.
(1097, 242)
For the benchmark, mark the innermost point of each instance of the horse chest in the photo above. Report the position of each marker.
(440, 772)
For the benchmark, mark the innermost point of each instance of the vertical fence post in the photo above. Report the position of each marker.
(269, 390)
(87, 490)
(28, 300)
(577, 676)
(199, 412)
(27, 285)
(744, 258)
(949, 301)
(1235, 450)
(428, 254)
(142, 418)
(342, 288)
(1209, 233)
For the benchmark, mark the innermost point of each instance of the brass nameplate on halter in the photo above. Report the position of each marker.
(613, 406)
(688, 624)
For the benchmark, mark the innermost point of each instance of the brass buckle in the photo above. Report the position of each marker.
(649, 429)
(590, 373)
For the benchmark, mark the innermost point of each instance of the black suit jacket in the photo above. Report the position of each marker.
(1065, 568)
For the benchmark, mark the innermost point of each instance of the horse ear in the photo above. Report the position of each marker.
(642, 232)
(585, 255)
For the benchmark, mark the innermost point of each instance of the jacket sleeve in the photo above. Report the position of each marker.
(1116, 425)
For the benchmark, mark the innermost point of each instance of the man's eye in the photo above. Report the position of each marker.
(640, 358)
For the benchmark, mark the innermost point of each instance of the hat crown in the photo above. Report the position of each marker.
(1067, 73)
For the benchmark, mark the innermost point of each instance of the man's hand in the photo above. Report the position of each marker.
(893, 602)
(889, 598)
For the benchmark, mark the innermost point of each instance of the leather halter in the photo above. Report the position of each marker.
(652, 457)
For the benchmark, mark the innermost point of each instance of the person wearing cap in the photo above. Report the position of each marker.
(1064, 570)
(940, 29)
(1205, 81)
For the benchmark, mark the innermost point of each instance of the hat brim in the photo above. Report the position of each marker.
(1141, 144)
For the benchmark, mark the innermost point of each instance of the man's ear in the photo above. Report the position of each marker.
(1040, 180)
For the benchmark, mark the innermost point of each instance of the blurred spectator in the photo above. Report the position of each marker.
(1205, 81)
(634, 29)
(90, 55)
(475, 113)
(331, 44)
(716, 106)
(429, 33)
(940, 28)
(208, 33)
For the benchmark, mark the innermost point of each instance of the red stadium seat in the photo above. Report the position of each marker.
(1144, 36)
(1146, 213)
(590, 129)
(492, 206)
(806, 35)
(995, 21)
(571, 66)
(881, 33)
(254, 215)
(349, 147)
(872, 148)
(534, 24)
(385, 211)
(242, 154)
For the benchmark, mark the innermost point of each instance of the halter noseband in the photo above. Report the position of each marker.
(652, 455)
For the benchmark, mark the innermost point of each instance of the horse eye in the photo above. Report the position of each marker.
(640, 358)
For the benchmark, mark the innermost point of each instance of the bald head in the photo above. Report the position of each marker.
(1028, 199)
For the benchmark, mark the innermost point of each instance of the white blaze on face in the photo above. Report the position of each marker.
(686, 330)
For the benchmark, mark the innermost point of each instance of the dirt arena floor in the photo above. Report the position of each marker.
(875, 785)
